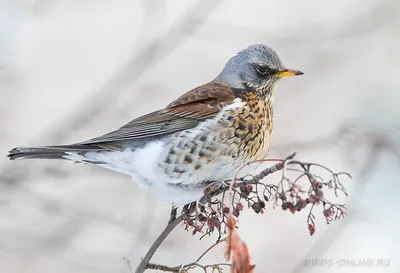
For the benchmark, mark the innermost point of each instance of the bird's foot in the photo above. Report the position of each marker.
(172, 216)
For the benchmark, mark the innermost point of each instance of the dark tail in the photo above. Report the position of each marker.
(48, 152)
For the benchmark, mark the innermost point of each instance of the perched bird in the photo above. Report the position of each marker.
(201, 137)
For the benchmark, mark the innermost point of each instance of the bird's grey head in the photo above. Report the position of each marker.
(257, 67)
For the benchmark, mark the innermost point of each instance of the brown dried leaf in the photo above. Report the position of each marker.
(236, 249)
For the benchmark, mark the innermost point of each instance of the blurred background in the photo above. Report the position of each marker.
(72, 70)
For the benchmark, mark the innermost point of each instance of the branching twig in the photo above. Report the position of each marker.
(186, 267)
(211, 213)
(270, 170)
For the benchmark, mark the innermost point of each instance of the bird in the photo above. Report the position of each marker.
(201, 137)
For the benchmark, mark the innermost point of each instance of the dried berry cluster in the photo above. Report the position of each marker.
(211, 212)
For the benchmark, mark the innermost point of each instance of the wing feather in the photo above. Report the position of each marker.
(184, 113)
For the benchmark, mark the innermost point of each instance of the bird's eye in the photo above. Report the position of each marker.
(263, 70)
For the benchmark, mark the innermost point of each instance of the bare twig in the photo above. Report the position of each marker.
(211, 213)
(271, 170)
(186, 267)
(145, 262)
(146, 259)
(259, 176)
(208, 249)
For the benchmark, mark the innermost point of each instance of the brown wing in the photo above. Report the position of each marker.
(202, 102)
(184, 113)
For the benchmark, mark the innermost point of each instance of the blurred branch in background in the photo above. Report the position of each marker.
(151, 54)
(376, 17)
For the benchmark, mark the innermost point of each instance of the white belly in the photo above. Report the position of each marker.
(145, 167)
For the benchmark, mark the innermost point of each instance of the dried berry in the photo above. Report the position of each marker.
(196, 229)
(319, 194)
(239, 206)
(314, 182)
(300, 205)
(190, 222)
(256, 207)
(311, 229)
(244, 194)
(286, 205)
(217, 223)
(327, 213)
(201, 218)
(282, 196)
(249, 187)
(312, 199)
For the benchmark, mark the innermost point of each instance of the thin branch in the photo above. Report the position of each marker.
(146, 259)
(211, 247)
(271, 170)
(186, 267)
(257, 177)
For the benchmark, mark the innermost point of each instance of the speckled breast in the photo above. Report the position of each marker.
(216, 147)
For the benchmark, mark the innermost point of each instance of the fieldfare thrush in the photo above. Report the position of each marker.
(202, 136)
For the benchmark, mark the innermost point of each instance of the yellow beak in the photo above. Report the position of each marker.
(289, 72)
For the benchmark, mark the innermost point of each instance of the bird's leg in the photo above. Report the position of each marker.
(188, 209)
(174, 212)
